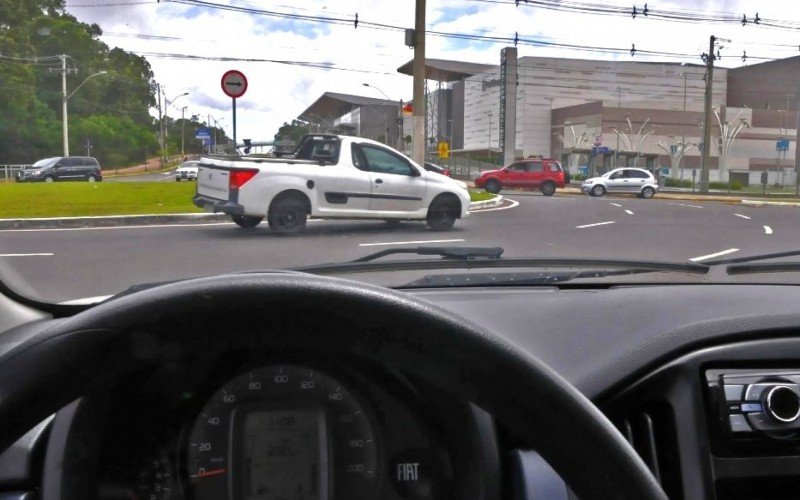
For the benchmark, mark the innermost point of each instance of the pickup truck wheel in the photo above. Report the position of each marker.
(493, 187)
(442, 215)
(246, 221)
(287, 215)
(548, 189)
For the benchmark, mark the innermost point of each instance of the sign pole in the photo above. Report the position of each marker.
(234, 125)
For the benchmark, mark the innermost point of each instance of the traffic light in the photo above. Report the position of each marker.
(247, 146)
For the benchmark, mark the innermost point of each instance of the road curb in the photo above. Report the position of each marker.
(112, 221)
(761, 203)
(490, 203)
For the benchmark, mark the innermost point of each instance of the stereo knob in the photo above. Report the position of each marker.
(783, 404)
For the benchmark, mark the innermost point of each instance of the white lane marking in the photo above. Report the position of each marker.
(596, 224)
(628, 212)
(767, 230)
(407, 242)
(712, 255)
(615, 204)
(150, 226)
(514, 203)
(685, 205)
(26, 255)
(742, 216)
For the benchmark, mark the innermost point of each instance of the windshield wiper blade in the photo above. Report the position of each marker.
(753, 258)
(514, 279)
(766, 267)
(460, 253)
(359, 266)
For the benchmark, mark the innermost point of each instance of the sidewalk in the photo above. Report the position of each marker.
(678, 194)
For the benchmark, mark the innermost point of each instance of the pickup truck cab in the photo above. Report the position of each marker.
(332, 177)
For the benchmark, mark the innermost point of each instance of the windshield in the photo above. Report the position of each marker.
(47, 162)
(305, 124)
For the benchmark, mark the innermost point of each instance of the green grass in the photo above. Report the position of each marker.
(75, 199)
(480, 196)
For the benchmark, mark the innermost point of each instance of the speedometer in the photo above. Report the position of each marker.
(282, 431)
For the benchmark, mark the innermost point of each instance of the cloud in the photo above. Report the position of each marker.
(277, 93)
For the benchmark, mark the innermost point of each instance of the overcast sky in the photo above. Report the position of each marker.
(279, 92)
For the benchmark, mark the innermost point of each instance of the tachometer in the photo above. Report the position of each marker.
(282, 431)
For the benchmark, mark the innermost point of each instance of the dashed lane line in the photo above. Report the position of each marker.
(418, 242)
(26, 254)
(595, 224)
(742, 216)
(628, 212)
(712, 255)
(615, 204)
(767, 230)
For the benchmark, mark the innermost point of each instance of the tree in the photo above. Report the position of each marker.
(728, 131)
(292, 131)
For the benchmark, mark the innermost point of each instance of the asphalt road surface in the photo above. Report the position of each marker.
(154, 177)
(71, 263)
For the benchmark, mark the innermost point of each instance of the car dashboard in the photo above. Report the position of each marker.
(702, 380)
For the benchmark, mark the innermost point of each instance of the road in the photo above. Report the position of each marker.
(154, 177)
(72, 263)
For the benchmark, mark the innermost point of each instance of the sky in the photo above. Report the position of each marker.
(345, 57)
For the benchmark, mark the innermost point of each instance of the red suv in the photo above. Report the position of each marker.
(544, 174)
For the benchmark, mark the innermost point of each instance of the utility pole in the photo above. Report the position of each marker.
(183, 136)
(704, 166)
(418, 112)
(796, 142)
(160, 127)
(64, 120)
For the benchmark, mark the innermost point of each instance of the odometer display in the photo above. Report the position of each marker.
(282, 431)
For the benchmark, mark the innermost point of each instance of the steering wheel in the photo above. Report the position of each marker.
(530, 401)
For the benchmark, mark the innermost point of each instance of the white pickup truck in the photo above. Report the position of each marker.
(331, 177)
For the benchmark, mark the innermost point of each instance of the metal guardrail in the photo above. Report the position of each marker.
(9, 172)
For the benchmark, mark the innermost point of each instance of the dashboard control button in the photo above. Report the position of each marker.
(783, 404)
(739, 423)
(733, 392)
(751, 407)
(755, 391)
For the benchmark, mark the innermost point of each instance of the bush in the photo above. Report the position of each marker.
(683, 183)
(578, 177)
(735, 185)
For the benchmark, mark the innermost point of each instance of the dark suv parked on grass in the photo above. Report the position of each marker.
(63, 168)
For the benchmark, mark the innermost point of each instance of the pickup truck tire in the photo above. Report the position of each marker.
(287, 215)
(442, 213)
(246, 221)
(548, 189)
(492, 186)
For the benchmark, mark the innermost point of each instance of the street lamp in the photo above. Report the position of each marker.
(385, 124)
(164, 129)
(65, 98)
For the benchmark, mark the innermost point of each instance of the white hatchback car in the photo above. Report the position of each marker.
(622, 180)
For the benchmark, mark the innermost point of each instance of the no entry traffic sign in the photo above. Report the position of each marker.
(234, 83)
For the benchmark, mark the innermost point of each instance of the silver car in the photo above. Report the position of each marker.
(622, 180)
